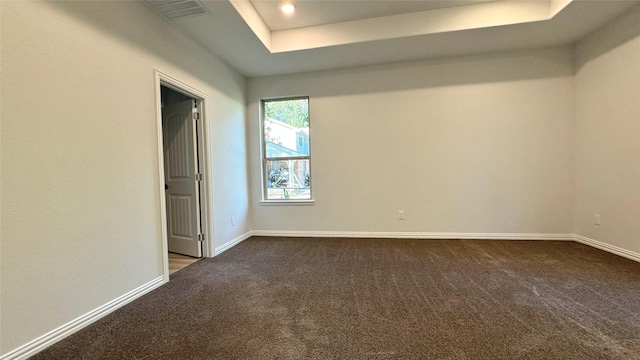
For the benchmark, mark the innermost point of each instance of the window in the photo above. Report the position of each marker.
(285, 149)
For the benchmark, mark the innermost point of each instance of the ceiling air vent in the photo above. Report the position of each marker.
(175, 9)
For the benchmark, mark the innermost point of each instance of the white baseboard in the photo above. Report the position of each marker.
(63, 331)
(69, 328)
(415, 235)
(228, 245)
(608, 248)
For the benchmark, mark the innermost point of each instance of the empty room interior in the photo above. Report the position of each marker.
(455, 179)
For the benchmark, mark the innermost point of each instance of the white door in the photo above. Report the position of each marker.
(182, 187)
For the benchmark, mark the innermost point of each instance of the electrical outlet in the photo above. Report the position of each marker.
(400, 214)
(233, 221)
(597, 220)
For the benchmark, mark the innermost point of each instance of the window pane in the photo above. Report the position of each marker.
(288, 180)
(286, 128)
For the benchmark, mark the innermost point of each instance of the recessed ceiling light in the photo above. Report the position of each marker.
(287, 7)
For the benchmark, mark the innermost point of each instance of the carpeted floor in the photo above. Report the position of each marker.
(281, 298)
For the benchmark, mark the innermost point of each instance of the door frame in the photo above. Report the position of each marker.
(204, 156)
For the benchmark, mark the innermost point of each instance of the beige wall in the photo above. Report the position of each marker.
(481, 144)
(478, 144)
(80, 190)
(607, 145)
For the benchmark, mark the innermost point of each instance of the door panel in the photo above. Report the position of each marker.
(181, 224)
(182, 193)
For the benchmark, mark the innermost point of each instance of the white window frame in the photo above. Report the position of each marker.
(264, 158)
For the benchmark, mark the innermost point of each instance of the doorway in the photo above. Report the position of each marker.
(182, 144)
(182, 175)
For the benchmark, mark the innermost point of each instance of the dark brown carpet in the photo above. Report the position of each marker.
(280, 298)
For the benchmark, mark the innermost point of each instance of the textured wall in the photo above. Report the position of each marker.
(607, 139)
(80, 196)
(478, 144)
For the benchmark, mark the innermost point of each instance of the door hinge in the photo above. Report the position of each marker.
(198, 177)
(200, 237)
(196, 116)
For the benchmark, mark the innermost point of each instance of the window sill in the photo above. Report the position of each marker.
(287, 202)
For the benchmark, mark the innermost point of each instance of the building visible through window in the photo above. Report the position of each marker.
(286, 151)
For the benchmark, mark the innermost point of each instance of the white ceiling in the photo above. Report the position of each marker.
(311, 13)
(329, 34)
